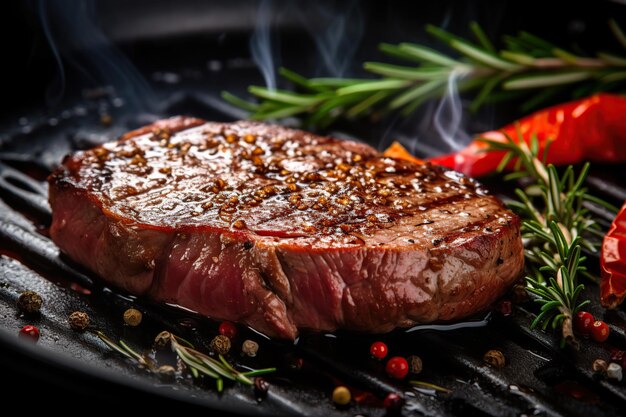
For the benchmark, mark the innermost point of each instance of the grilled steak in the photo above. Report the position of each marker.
(283, 230)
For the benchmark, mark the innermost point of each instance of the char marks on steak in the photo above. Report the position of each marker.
(281, 229)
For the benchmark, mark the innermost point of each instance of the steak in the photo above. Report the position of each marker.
(283, 230)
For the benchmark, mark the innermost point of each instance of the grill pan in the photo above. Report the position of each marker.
(70, 369)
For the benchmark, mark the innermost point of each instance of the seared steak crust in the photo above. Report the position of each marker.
(281, 229)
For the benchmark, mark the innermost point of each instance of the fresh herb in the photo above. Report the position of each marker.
(197, 363)
(429, 387)
(555, 227)
(526, 65)
(123, 349)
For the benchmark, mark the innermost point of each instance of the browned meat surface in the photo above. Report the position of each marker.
(281, 229)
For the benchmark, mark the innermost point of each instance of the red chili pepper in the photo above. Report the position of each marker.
(591, 129)
(613, 263)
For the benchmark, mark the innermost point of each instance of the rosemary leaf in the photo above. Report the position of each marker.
(614, 76)
(239, 102)
(415, 92)
(428, 385)
(332, 83)
(299, 80)
(545, 80)
(471, 51)
(518, 57)
(406, 73)
(617, 32)
(286, 97)
(134, 354)
(536, 42)
(259, 372)
(612, 59)
(366, 104)
(279, 113)
(113, 345)
(372, 86)
(486, 89)
(426, 54)
(481, 37)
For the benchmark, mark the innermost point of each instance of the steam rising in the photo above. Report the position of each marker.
(80, 47)
(57, 89)
(336, 29)
(77, 42)
(261, 44)
(336, 32)
(448, 116)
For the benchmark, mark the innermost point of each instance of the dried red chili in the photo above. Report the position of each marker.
(591, 129)
(613, 263)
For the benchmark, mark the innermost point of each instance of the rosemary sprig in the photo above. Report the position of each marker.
(124, 350)
(197, 362)
(525, 65)
(555, 228)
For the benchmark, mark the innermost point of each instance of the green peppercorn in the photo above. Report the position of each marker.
(341, 395)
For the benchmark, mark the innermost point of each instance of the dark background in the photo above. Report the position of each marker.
(90, 44)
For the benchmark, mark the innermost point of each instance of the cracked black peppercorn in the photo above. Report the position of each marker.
(494, 358)
(29, 302)
(162, 339)
(132, 317)
(220, 344)
(415, 364)
(79, 321)
(599, 366)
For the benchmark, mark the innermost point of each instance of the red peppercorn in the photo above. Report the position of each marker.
(600, 331)
(379, 350)
(30, 333)
(393, 402)
(397, 367)
(228, 329)
(583, 322)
